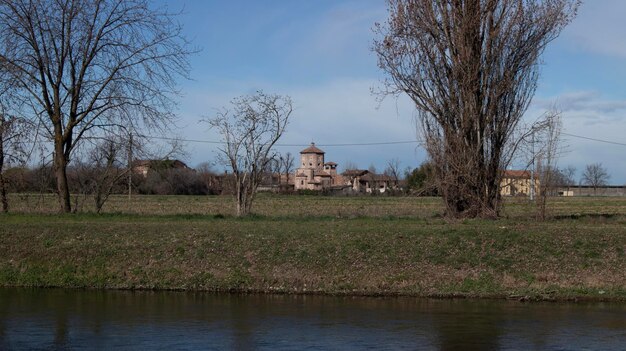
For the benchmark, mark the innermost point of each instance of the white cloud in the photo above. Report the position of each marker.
(345, 111)
(599, 28)
(589, 114)
(588, 106)
(342, 111)
(338, 41)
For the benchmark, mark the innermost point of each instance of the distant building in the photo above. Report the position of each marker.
(588, 190)
(361, 180)
(313, 173)
(142, 167)
(517, 183)
(381, 183)
(353, 178)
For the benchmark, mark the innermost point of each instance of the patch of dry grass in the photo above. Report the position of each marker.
(391, 251)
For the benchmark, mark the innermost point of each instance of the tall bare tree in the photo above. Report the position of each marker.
(471, 68)
(595, 175)
(86, 64)
(249, 131)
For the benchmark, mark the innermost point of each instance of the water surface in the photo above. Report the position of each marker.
(78, 319)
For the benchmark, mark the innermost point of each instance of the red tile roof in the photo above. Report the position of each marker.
(510, 173)
(354, 172)
(312, 150)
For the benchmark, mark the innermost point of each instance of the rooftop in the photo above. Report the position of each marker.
(355, 172)
(312, 149)
(510, 173)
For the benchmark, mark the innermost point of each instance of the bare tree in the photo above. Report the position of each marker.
(549, 135)
(249, 131)
(595, 175)
(567, 176)
(14, 135)
(286, 164)
(209, 177)
(393, 169)
(350, 165)
(87, 64)
(471, 68)
(107, 167)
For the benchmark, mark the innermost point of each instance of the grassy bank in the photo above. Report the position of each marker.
(580, 253)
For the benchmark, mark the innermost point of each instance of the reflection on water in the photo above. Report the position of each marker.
(59, 319)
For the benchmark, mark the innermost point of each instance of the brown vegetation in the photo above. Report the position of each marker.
(402, 246)
(85, 66)
(249, 131)
(471, 68)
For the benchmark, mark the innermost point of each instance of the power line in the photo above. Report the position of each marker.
(358, 144)
(344, 144)
(179, 139)
(594, 139)
(294, 145)
(362, 144)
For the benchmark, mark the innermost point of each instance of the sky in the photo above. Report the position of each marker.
(319, 53)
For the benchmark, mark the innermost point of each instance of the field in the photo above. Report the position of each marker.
(314, 244)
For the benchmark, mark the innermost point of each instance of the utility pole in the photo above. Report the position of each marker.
(130, 164)
(532, 169)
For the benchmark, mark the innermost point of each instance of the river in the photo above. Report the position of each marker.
(79, 319)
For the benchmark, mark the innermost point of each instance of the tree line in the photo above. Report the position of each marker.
(76, 71)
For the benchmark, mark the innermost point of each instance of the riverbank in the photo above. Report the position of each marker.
(581, 256)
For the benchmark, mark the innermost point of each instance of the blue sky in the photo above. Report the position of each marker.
(318, 52)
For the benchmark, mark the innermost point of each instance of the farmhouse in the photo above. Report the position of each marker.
(517, 183)
(361, 180)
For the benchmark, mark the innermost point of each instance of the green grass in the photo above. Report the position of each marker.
(310, 244)
(268, 205)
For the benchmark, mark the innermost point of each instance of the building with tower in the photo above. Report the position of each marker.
(313, 173)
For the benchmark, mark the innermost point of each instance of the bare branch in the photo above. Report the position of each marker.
(471, 68)
(84, 63)
(250, 130)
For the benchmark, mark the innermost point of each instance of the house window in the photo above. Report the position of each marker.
(310, 164)
(302, 182)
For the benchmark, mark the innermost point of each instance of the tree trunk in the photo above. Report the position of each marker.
(3, 192)
(240, 194)
(245, 196)
(240, 209)
(3, 189)
(60, 172)
(98, 199)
